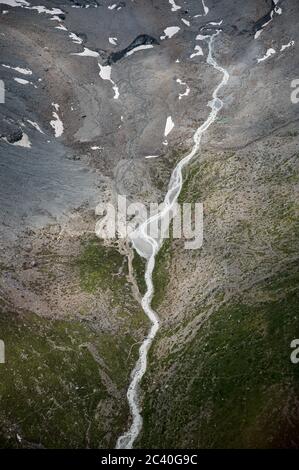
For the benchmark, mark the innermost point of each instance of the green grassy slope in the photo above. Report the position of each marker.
(64, 382)
(233, 385)
(220, 373)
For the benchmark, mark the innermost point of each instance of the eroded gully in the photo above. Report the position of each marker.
(148, 248)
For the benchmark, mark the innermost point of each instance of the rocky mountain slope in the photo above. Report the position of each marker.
(75, 133)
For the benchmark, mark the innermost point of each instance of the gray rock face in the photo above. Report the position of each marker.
(15, 136)
(141, 40)
(74, 133)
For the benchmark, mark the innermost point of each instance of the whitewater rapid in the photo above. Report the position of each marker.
(148, 248)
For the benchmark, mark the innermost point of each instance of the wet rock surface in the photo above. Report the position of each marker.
(141, 40)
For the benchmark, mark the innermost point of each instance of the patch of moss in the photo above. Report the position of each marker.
(101, 267)
(161, 274)
(189, 188)
(139, 266)
(51, 385)
(64, 383)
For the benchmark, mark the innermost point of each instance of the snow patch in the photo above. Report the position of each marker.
(62, 27)
(75, 38)
(186, 93)
(214, 23)
(186, 22)
(35, 125)
(174, 7)
(56, 123)
(18, 69)
(201, 37)
(105, 74)
(168, 126)
(139, 48)
(15, 3)
(27, 5)
(205, 10)
(286, 46)
(24, 142)
(170, 32)
(276, 10)
(199, 52)
(21, 81)
(42, 9)
(268, 54)
(86, 53)
(113, 41)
